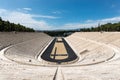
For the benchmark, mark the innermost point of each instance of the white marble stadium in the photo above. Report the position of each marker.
(98, 57)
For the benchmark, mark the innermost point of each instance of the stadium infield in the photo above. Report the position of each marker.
(59, 51)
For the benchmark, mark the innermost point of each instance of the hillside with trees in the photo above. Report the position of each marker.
(7, 26)
(105, 27)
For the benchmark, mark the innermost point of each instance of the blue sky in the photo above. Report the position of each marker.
(60, 14)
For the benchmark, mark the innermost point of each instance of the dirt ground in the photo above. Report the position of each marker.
(60, 51)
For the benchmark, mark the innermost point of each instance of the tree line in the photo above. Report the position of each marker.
(7, 26)
(105, 27)
(59, 33)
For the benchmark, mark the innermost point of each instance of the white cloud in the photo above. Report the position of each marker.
(90, 23)
(28, 9)
(2, 11)
(25, 10)
(78, 25)
(104, 21)
(45, 16)
(57, 12)
(24, 19)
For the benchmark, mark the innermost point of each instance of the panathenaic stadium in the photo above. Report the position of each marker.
(79, 56)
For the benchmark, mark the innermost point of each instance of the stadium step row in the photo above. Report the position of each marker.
(90, 52)
(25, 46)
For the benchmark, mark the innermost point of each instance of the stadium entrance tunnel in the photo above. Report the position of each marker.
(59, 52)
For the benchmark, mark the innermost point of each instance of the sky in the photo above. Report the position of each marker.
(60, 14)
